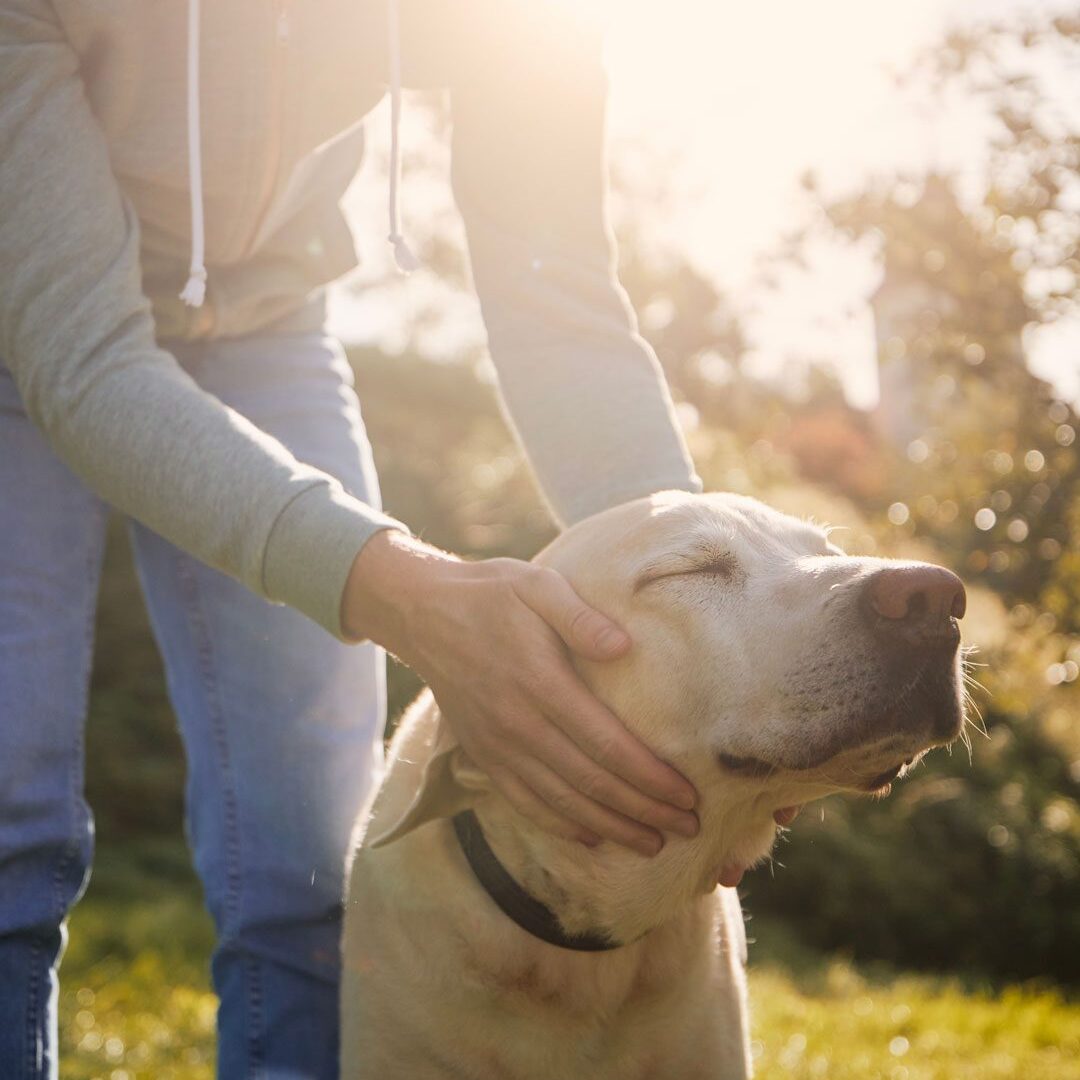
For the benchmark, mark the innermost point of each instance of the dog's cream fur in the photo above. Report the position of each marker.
(747, 643)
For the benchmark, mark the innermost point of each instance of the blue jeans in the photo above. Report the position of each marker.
(281, 725)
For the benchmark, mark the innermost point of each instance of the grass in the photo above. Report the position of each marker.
(815, 1017)
(135, 1000)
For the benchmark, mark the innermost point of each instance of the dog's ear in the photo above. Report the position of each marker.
(429, 776)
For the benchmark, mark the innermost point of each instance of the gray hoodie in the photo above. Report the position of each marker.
(96, 235)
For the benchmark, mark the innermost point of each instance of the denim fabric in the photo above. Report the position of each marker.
(281, 724)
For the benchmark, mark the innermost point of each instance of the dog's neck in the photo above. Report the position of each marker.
(617, 892)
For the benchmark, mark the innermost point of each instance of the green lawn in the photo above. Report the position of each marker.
(135, 1001)
(908, 1028)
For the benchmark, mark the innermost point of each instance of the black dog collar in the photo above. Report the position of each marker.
(513, 900)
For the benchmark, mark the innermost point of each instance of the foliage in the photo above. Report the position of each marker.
(965, 279)
(1015, 70)
(984, 463)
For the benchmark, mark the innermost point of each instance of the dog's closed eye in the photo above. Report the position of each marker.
(751, 767)
(723, 566)
(718, 565)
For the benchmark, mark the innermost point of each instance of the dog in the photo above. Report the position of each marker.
(770, 669)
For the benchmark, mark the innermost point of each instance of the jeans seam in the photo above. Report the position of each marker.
(30, 1061)
(75, 768)
(256, 1021)
(189, 590)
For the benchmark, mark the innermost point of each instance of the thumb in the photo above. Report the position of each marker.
(584, 630)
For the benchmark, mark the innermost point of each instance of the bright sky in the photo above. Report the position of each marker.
(751, 96)
(743, 99)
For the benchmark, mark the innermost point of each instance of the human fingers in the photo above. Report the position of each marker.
(570, 803)
(556, 750)
(583, 629)
(601, 735)
(530, 805)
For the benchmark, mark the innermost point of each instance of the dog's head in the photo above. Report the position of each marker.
(763, 654)
(767, 666)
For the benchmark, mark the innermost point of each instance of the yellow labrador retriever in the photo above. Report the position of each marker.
(770, 669)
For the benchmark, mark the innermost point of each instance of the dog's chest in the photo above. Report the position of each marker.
(447, 985)
(581, 985)
(604, 1016)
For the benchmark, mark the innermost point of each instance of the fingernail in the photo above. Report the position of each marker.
(685, 800)
(590, 840)
(610, 639)
(649, 848)
(688, 826)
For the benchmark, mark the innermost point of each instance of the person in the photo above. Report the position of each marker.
(151, 150)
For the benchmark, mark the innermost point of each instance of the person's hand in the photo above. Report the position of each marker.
(491, 640)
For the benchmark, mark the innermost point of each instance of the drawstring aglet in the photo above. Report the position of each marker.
(404, 257)
(194, 292)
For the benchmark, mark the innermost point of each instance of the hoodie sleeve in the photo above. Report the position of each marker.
(584, 390)
(77, 335)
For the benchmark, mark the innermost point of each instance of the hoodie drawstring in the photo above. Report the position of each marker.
(403, 254)
(194, 292)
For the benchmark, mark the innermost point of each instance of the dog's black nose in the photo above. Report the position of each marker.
(915, 604)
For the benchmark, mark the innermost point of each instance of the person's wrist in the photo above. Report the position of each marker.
(386, 588)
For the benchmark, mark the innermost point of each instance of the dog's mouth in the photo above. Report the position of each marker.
(882, 783)
(752, 768)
